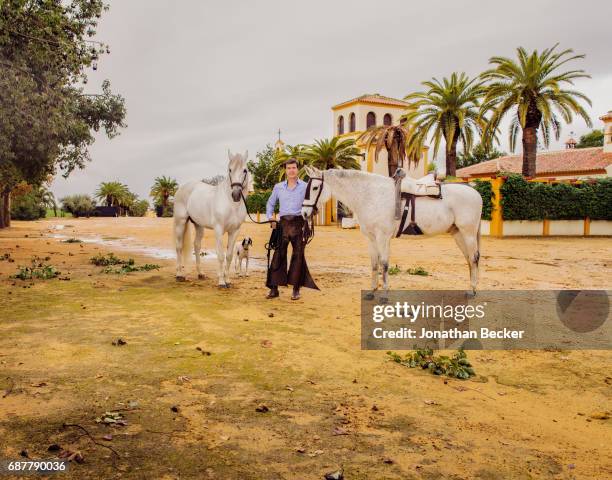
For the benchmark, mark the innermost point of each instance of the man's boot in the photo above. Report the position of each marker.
(273, 293)
(296, 293)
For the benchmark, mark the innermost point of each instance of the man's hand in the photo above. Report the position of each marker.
(273, 224)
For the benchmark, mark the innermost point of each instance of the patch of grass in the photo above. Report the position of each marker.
(456, 366)
(38, 269)
(131, 267)
(119, 266)
(394, 270)
(72, 240)
(418, 271)
(102, 260)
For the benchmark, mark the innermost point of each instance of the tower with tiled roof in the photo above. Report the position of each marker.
(353, 117)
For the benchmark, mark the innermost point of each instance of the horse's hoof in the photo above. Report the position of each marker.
(369, 296)
(228, 285)
(180, 278)
(470, 293)
(201, 276)
(223, 285)
(383, 300)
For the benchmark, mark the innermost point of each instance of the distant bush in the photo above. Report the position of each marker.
(28, 206)
(256, 201)
(139, 208)
(78, 205)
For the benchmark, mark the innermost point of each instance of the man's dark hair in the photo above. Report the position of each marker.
(291, 161)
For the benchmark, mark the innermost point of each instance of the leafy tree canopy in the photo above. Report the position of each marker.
(46, 120)
(263, 170)
(595, 138)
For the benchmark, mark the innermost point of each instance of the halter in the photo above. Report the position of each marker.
(237, 184)
(309, 227)
(307, 196)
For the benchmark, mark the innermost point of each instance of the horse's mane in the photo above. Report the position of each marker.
(214, 181)
(354, 174)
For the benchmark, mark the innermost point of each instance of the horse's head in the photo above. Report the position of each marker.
(238, 174)
(317, 193)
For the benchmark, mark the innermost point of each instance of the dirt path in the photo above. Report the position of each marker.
(199, 362)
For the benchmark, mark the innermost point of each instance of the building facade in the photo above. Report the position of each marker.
(353, 117)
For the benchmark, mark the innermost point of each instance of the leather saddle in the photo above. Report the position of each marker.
(406, 187)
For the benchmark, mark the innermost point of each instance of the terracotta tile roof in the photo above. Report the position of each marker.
(374, 98)
(547, 163)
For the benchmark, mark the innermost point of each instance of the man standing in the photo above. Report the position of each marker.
(290, 196)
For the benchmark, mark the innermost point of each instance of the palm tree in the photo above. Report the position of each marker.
(163, 188)
(448, 109)
(332, 153)
(112, 193)
(394, 138)
(532, 88)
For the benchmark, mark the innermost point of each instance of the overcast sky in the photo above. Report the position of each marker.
(200, 77)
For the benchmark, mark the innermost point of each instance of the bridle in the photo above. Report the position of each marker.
(238, 184)
(309, 226)
(314, 207)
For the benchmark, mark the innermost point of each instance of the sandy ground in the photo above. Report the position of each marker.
(199, 361)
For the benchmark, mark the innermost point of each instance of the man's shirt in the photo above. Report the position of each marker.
(290, 199)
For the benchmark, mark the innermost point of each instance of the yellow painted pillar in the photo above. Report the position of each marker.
(546, 227)
(334, 203)
(587, 226)
(258, 214)
(328, 212)
(497, 218)
(370, 159)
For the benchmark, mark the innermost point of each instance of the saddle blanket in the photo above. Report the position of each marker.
(425, 186)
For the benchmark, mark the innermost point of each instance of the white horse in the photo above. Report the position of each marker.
(215, 204)
(372, 198)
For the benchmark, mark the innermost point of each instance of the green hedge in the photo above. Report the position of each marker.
(523, 200)
(486, 192)
(256, 201)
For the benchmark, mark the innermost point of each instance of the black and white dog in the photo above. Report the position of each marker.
(242, 253)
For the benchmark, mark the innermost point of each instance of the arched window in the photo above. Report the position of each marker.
(370, 120)
(387, 119)
(340, 125)
(352, 122)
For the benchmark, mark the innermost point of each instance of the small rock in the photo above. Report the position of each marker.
(119, 342)
(374, 408)
(600, 416)
(337, 475)
(54, 447)
(24, 453)
(262, 408)
(108, 438)
(388, 460)
(270, 314)
(174, 408)
(340, 431)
